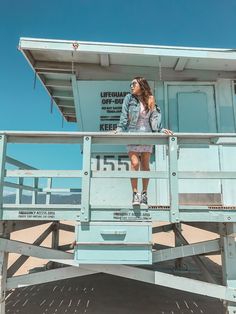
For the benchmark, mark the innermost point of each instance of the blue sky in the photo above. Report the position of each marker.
(201, 23)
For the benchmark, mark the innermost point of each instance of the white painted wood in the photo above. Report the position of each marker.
(44, 173)
(22, 248)
(46, 276)
(104, 60)
(186, 250)
(165, 280)
(181, 63)
(3, 275)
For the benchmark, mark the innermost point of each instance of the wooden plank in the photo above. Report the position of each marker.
(46, 276)
(27, 249)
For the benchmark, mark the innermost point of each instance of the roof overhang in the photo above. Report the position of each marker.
(57, 61)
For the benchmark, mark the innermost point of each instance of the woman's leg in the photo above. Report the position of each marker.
(134, 158)
(145, 161)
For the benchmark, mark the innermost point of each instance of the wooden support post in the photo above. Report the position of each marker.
(55, 241)
(228, 255)
(55, 235)
(3, 280)
(3, 272)
(179, 265)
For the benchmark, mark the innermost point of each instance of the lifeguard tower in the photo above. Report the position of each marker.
(192, 177)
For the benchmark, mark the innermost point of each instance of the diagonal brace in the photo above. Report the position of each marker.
(186, 250)
(23, 248)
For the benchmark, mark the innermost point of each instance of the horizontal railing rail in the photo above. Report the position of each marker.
(110, 138)
(87, 140)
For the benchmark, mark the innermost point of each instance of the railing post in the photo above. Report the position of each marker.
(173, 180)
(19, 191)
(86, 178)
(35, 192)
(3, 148)
(48, 194)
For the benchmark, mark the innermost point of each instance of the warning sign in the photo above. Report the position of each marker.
(111, 106)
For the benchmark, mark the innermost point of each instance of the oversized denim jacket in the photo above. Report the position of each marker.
(130, 113)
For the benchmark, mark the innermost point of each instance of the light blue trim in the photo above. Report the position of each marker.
(173, 180)
(86, 180)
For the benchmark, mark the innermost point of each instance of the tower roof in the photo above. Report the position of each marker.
(57, 61)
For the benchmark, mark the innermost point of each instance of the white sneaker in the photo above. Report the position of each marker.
(144, 199)
(136, 199)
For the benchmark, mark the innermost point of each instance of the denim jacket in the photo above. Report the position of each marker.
(130, 113)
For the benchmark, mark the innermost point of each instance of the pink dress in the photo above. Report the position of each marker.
(142, 125)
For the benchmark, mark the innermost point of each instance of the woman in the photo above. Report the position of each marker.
(140, 114)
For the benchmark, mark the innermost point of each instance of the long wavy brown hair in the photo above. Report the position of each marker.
(149, 102)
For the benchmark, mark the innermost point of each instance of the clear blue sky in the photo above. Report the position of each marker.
(203, 23)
